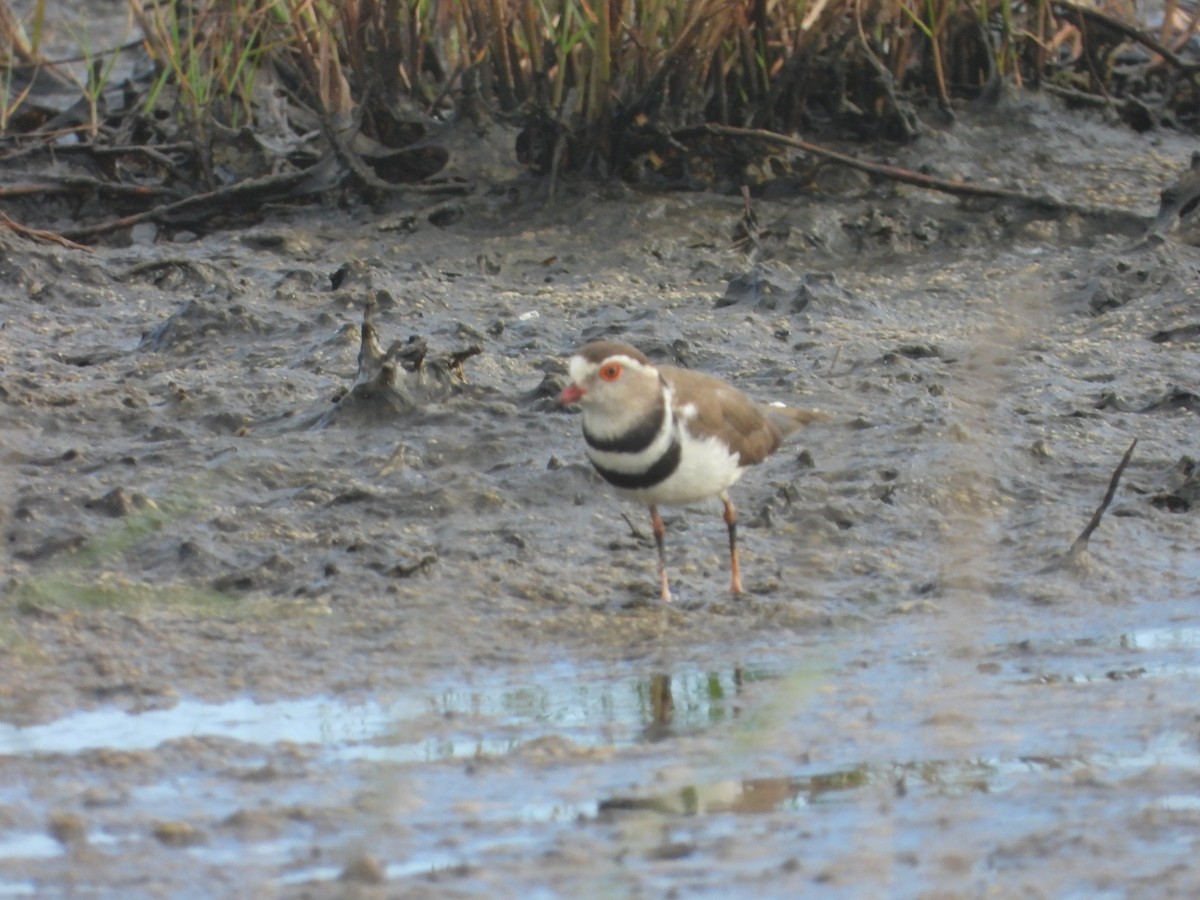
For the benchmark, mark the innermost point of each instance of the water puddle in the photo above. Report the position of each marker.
(1182, 638)
(448, 723)
(31, 846)
(510, 765)
(567, 711)
(1145, 653)
(943, 778)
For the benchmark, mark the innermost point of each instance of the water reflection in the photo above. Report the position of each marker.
(16, 846)
(1160, 652)
(706, 699)
(1161, 639)
(751, 795)
(485, 719)
(763, 795)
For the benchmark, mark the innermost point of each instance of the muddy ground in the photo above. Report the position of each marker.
(259, 640)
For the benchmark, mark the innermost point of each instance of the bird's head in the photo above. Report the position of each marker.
(611, 380)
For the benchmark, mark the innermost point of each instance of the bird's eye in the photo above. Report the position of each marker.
(610, 371)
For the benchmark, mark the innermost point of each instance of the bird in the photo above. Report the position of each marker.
(671, 436)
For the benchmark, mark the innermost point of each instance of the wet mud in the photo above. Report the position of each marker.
(280, 619)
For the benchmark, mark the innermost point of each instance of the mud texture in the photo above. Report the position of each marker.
(201, 500)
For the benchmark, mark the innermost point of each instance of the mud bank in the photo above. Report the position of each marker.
(258, 638)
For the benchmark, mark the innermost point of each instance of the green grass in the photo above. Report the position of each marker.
(80, 589)
(93, 577)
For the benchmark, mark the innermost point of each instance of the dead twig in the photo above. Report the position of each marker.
(322, 176)
(748, 233)
(887, 81)
(1081, 542)
(39, 234)
(1042, 202)
(636, 533)
(1126, 30)
(72, 185)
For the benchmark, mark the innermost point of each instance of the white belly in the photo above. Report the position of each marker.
(706, 468)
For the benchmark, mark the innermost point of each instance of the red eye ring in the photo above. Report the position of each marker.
(610, 371)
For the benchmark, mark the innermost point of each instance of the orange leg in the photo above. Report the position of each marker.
(660, 531)
(734, 565)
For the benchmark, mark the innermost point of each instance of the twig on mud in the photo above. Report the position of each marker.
(73, 184)
(321, 176)
(634, 532)
(342, 142)
(1042, 202)
(1126, 30)
(248, 194)
(156, 153)
(1081, 98)
(1081, 542)
(397, 462)
(837, 354)
(749, 231)
(39, 234)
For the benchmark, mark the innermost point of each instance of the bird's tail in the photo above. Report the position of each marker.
(790, 420)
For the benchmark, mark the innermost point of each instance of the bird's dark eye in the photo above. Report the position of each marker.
(610, 371)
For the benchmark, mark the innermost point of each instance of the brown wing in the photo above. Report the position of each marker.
(726, 412)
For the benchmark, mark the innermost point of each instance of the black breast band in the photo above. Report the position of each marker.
(635, 440)
(662, 469)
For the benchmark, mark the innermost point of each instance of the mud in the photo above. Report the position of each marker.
(259, 639)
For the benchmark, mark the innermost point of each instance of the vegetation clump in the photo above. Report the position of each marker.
(203, 93)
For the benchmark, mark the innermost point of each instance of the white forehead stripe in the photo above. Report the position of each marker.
(580, 369)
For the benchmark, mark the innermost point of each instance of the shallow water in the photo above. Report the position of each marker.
(589, 712)
(837, 766)
(561, 714)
